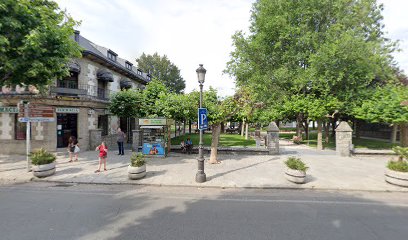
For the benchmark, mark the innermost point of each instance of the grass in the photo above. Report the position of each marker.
(358, 143)
(226, 140)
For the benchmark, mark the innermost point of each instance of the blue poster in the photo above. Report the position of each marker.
(202, 119)
(153, 149)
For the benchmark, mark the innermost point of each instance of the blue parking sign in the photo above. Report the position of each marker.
(202, 119)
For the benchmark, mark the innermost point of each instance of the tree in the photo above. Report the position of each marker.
(127, 103)
(35, 42)
(319, 48)
(162, 69)
(384, 105)
(151, 94)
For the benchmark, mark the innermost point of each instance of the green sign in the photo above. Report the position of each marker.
(8, 109)
(152, 122)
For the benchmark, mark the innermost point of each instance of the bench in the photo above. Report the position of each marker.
(232, 130)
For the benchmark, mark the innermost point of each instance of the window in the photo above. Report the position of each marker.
(103, 124)
(112, 55)
(20, 129)
(128, 65)
(139, 72)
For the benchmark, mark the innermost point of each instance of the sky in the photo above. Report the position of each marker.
(191, 32)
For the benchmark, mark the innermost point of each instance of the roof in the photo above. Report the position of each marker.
(100, 54)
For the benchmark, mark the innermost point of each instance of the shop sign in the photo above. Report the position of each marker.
(8, 109)
(36, 113)
(153, 122)
(67, 110)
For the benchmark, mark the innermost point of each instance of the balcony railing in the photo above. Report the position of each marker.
(80, 90)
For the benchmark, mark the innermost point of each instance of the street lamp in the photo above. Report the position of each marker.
(200, 176)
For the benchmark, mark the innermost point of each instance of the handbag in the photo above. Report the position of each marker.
(77, 149)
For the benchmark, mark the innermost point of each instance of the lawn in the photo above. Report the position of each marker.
(226, 140)
(358, 143)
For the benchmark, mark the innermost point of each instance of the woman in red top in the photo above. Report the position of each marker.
(103, 154)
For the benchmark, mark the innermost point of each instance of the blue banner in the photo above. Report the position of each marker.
(202, 119)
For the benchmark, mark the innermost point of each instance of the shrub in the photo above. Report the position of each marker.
(399, 166)
(41, 156)
(137, 160)
(296, 164)
(402, 152)
(297, 139)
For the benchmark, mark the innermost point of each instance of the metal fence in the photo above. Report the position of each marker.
(70, 88)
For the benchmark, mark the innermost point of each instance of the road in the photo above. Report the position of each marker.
(61, 211)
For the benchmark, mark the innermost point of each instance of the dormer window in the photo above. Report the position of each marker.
(112, 55)
(148, 77)
(128, 65)
(139, 72)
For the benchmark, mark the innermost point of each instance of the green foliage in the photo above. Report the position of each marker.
(383, 104)
(399, 166)
(302, 54)
(153, 91)
(162, 69)
(402, 152)
(41, 157)
(35, 42)
(137, 160)
(296, 164)
(127, 103)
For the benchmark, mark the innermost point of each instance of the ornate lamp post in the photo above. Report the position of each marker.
(200, 176)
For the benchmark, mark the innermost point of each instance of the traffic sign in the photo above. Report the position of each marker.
(202, 119)
(35, 113)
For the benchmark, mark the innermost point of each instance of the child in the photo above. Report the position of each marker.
(72, 146)
(103, 154)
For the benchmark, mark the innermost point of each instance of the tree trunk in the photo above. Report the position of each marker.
(239, 127)
(222, 127)
(394, 133)
(333, 133)
(326, 131)
(243, 128)
(357, 128)
(246, 131)
(184, 127)
(299, 125)
(305, 126)
(404, 134)
(175, 129)
(319, 135)
(216, 129)
(313, 125)
(189, 126)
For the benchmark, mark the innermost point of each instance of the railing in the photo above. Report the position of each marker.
(66, 88)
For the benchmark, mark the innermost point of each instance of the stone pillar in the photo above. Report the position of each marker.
(344, 139)
(136, 140)
(273, 138)
(95, 138)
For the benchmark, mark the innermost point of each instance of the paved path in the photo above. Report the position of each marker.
(327, 170)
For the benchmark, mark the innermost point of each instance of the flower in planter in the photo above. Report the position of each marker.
(296, 164)
(41, 157)
(137, 160)
(297, 139)
(401, 165)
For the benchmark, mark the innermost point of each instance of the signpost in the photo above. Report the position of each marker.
(33, 113)
(202, 119)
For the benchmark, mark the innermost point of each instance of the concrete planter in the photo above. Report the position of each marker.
(396, 178)
(44, 170)
(136, 172)
(295, 176)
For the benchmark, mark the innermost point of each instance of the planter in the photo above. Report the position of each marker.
(136, 172)
(396, 178)
(295, 176)
(44, 170)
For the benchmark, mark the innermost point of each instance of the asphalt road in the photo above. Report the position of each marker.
(52, 211)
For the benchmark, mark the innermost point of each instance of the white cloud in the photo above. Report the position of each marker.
(189, 32)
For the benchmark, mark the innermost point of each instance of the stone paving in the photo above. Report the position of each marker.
(327, 170)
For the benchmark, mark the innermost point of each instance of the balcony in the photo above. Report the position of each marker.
(73, 89)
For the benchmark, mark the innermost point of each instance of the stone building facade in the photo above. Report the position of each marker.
(79, 101)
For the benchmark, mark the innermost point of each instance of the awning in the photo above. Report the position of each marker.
(125, 83)
(104, 75)
(74, 66)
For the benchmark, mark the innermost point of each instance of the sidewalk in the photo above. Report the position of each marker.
(327, 170)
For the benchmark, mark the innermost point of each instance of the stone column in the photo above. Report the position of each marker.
(136, 140)
(273, 138)
(95, 138)
(344, 139)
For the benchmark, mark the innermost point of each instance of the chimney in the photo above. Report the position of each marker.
(76, 36)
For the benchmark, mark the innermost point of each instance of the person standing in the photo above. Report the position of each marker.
(120, 138)
(103, 155)
(72, 145)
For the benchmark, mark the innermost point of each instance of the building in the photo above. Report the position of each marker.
(79, 101)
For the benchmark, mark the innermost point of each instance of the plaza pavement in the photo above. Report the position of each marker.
(327, 170)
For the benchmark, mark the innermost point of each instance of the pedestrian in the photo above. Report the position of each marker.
(103, 155)
(73, 148)
(120, 138)
(183, 146)
(189, 145)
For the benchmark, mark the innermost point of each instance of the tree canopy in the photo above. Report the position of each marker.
(35, 42)
(162, 69)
